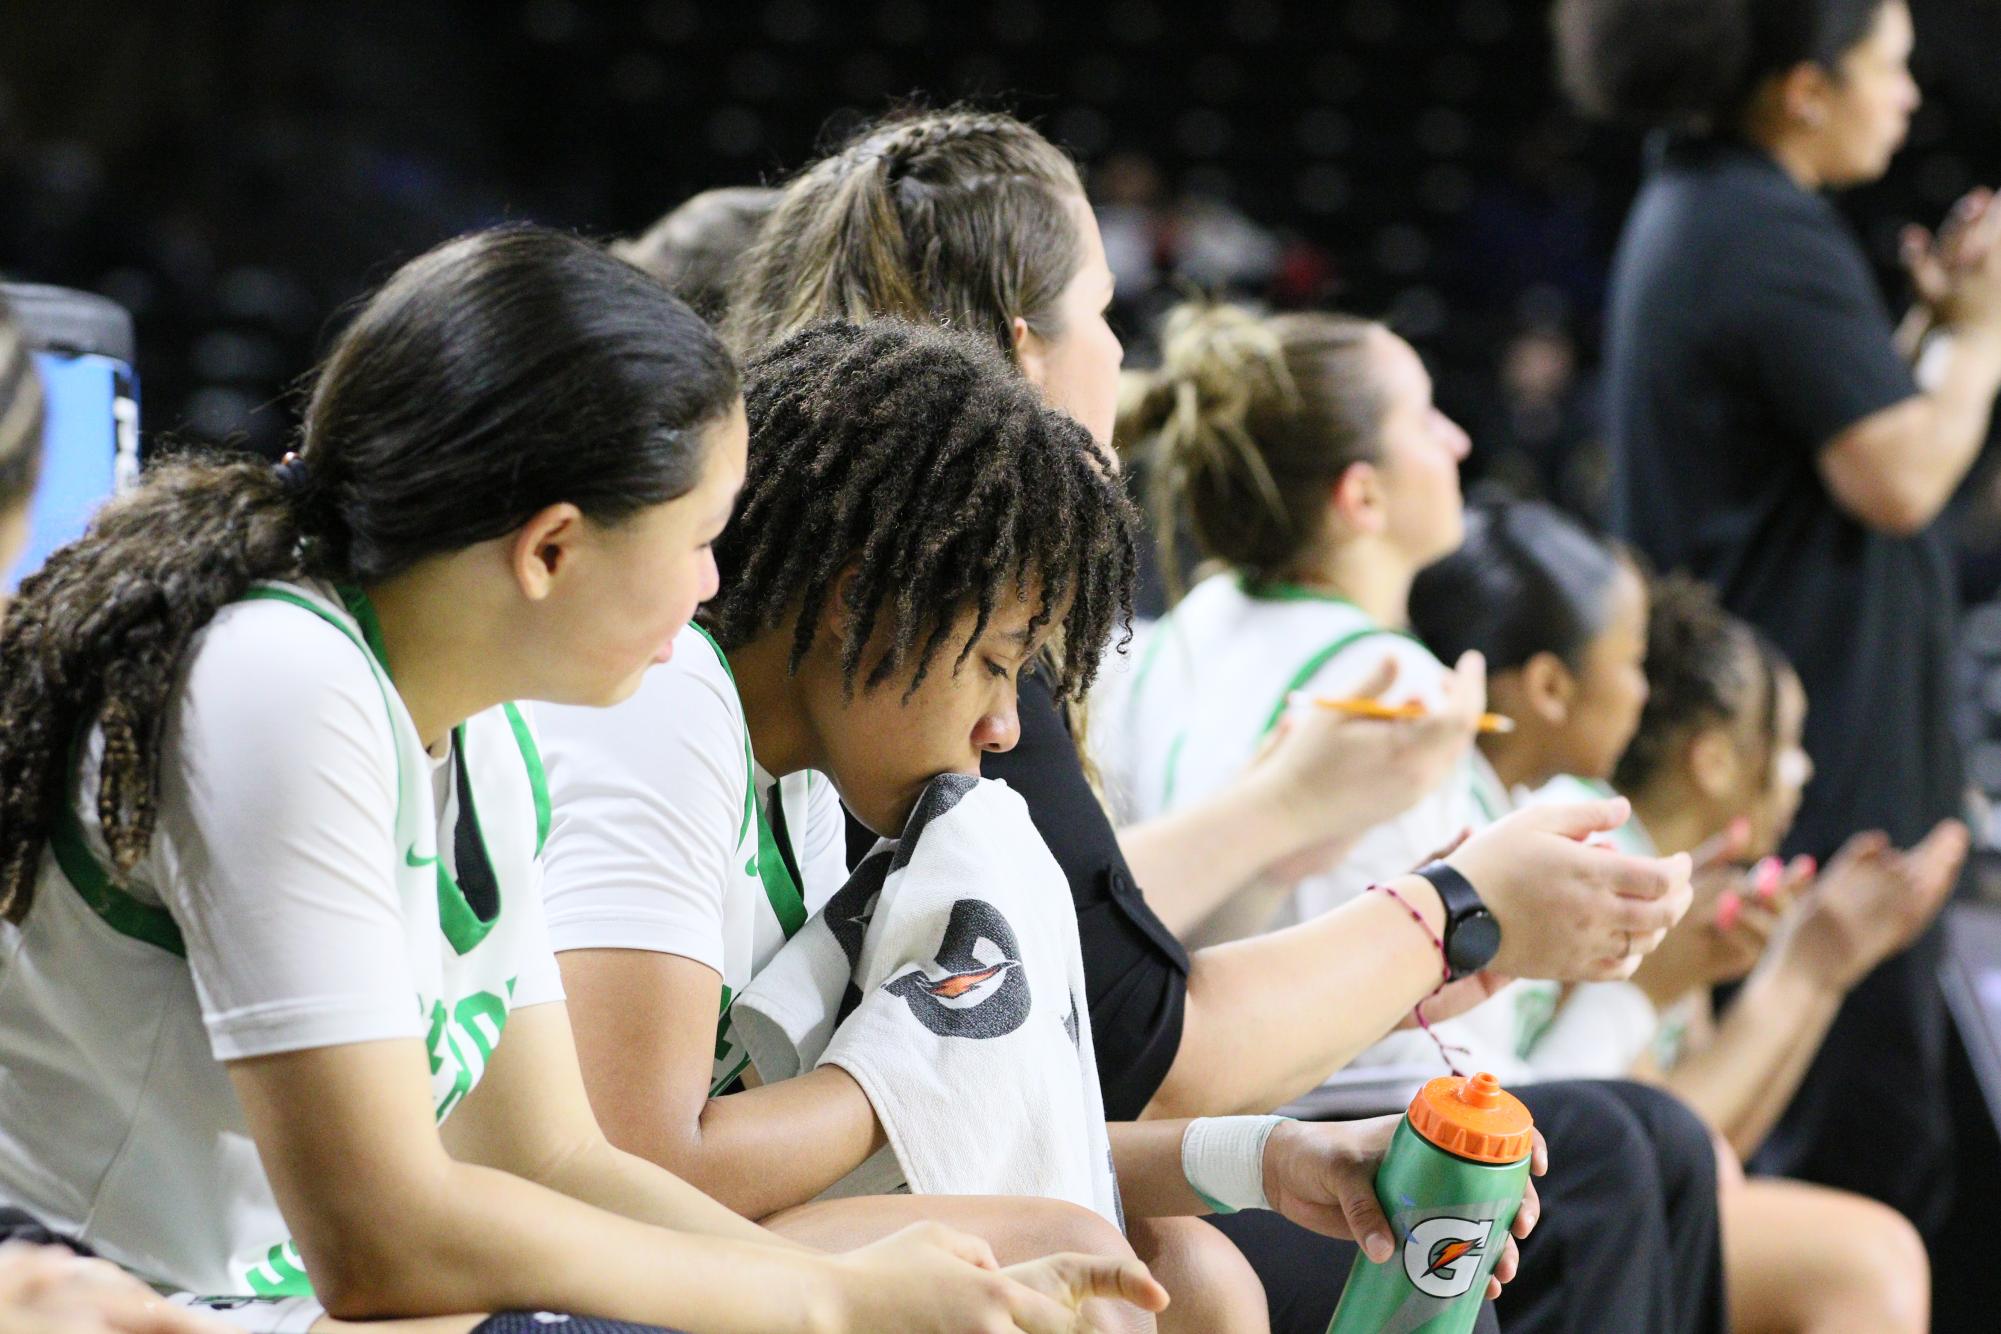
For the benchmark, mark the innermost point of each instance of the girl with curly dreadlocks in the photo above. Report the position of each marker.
(263, 788)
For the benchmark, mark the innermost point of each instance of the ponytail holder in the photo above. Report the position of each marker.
(292, 473)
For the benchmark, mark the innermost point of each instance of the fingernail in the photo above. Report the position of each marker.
(1767, 881)
(1378, 1247)
(1805, 866)
(1728, 908)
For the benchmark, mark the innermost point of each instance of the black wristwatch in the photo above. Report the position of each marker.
(1471, 937)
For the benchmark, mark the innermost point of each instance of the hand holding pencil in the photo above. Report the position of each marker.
(1365, 707)
(1335, 773)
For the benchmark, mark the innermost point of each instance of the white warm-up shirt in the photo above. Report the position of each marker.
(1213, 677)
(667, 833)
(302, 891)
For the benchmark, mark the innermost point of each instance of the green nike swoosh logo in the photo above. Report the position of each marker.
(410, 857)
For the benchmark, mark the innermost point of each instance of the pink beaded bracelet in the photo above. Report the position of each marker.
(1445, 1050)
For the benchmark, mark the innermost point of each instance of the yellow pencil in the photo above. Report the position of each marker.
(1375, 708)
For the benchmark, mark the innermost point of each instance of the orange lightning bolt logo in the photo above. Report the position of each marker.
(1448, 1252)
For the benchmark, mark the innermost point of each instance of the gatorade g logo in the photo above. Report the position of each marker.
(1442, 1255)
(982, 992)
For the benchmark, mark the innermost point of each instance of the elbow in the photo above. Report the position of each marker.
(1895, 509)
(1903, 515)
(353, 1284)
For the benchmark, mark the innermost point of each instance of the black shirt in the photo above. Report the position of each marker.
(1135, 971)
(1745, 334)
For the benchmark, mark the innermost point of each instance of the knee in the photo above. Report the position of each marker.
(1211, 1285)
(1055, 1225)
(1681, 1140)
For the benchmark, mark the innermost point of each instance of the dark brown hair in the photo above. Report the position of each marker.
(956, 217)
(1696, 64)
(1704, 667)
(922, 460)
(496, 375)
(1248, 421)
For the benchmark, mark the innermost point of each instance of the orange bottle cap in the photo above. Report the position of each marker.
(1474, 1118)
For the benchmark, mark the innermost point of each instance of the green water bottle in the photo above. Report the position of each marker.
(1450, 1186)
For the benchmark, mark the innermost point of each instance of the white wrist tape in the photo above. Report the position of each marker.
(1223, 1158)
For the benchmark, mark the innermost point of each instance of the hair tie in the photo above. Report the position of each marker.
(292, 473)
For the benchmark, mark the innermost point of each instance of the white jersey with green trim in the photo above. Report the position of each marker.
(1180, 716)
(1535, 1030)
(669, 837)
(315, 879)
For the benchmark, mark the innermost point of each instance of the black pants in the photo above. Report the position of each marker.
(1628, 1239)
(1879, 1080)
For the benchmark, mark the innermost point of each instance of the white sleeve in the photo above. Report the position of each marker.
(1599, 1031)
(1395, 847)
(276, 840)
(826, 861)
(649, 798)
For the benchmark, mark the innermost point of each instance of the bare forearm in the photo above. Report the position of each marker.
(477, 1239)
(1147, 1156)
(1742, 1080)
(621, 1183)
(1192, 860)
(1962, 403)
(1271, 1017)
(766, 1148)
(1948, 423)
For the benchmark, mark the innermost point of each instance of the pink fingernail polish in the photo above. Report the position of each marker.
(1729, 907)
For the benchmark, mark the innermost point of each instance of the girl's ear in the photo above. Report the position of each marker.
(1030, 353)
(543, 549)
(837, 612)
(1713, 762)
(1357, 502)
(1548, 687)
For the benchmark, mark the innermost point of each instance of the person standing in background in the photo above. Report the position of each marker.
(1768, 435)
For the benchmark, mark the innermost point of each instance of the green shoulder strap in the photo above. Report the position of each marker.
(788, 901)
(118, 909)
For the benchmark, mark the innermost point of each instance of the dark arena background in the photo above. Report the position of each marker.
(236, 174)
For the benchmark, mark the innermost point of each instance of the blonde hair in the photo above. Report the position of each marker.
(957, 217)
(1247, 422)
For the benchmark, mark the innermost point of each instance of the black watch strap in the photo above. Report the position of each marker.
(1471, 937)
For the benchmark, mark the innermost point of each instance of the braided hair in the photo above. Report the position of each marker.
(957, 217)
(1704, 667)
(494, 376)
(1247, 424)
(918, 458)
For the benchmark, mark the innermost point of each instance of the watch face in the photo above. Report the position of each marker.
(1476, 938)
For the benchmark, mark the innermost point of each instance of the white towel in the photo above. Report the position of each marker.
(947, 978)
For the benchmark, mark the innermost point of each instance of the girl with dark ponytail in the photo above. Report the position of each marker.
(278, 1011)
(1770, 435)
